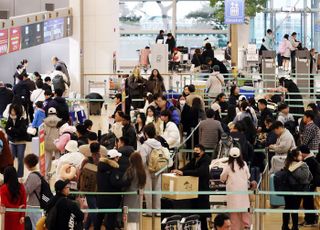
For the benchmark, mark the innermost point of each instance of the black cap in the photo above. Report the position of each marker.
(60, 185)
(304, 149)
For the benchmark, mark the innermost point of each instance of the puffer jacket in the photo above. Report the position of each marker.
(300, 178)
(51, 132)
(109, 179)
(171, 134)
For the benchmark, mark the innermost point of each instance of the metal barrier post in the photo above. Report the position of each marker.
(125, 211)
(192, 138)
(256, 215)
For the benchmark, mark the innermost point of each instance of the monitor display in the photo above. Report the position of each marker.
(53, 29)
(31, 35)
(15, 39)
(3, 42)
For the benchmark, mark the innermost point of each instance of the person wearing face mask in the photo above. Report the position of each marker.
(185, 114)
(199, 167)
(16, 129)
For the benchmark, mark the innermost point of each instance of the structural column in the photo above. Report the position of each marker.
(95, 40)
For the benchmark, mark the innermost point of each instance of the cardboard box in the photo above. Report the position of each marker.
(174, 183)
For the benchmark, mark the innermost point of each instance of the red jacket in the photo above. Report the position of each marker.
(6, 156)
(12, 219)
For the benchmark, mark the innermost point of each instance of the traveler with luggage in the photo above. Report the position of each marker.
(149, 149)
(60, 81)
(236, 175)
(136, 88)
(215, 82)
(61, 105)
(310, 135)
(210, 131)
(62, 212)
(310, 219)
(135, 177)
(128, 130)
(285, 141)
(88, 180)
(199, 167)
(297, 178)
(109, 179)
(13, 195)
(58, 64)
(170, 132)
(33, 188)
(16, 129)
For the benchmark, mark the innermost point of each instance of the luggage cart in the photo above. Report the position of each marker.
(99, 87)
(172, 223)
(191, 223)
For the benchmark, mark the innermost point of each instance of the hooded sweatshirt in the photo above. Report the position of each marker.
(147, 147)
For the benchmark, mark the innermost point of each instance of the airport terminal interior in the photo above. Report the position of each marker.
(159, 114)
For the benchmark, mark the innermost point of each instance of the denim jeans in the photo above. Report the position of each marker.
(17, 151)
(34, 217)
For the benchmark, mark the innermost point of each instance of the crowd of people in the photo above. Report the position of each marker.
(148, 126)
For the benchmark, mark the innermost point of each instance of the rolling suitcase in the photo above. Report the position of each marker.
(275, 200)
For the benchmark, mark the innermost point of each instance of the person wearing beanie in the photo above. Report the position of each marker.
(68, 211)
(236, 175)
(310, 219)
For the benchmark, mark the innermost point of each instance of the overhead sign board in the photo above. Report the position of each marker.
(31, 35)
(15, 39)
(234, 11)
(3, 42)
(53, 29)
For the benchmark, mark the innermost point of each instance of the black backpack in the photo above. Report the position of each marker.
(51, 216)
(45, 192)
(58, 83)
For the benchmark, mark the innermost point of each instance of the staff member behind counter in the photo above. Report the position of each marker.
(199, 167)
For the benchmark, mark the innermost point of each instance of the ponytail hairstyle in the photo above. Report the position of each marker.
(239, 160)
(245, 108)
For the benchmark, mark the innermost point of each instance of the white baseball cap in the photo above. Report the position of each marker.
(113, 153)
(52, 110)
(234, 152)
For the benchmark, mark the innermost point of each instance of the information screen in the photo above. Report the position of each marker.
(53, 29)
(15, 39)
(31, 35)
(3, 42)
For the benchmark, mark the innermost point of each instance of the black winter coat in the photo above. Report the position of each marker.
(130, 132)
(21, 90)
(6, 96)
(109, 179)
(68, 212)
(314, 167)
(126, 151)
(155, 86)
(136, 88)
(62, 108)
(199, 169)
(17, 131)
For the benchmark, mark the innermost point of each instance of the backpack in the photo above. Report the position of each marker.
(280, 180)
(45, 192)
(88, 178)
(226, 143)
(51, 216)
(158, 159)
(73, 136)
(108, 140)
(58, 83)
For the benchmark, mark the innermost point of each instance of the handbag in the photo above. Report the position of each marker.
(32, 131)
